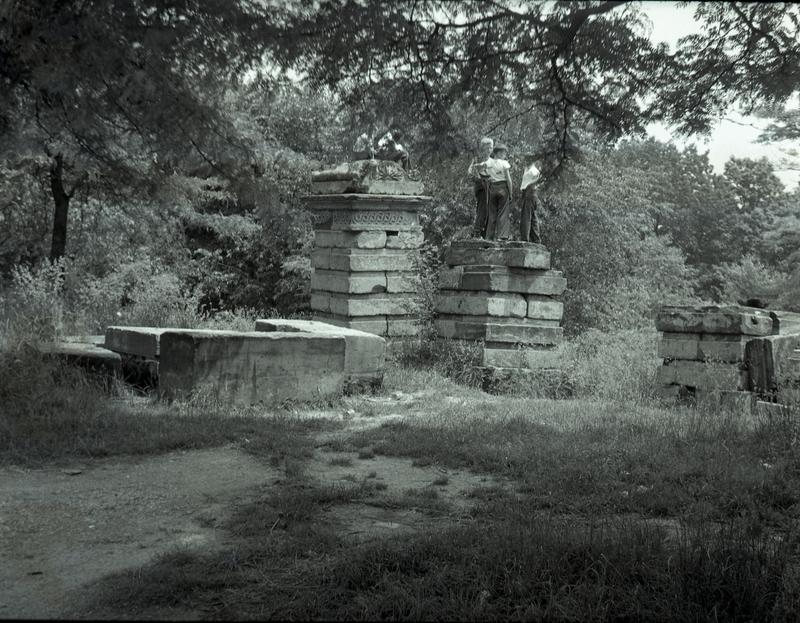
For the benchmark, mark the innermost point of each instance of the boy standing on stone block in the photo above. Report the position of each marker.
(528, 222)
(480, 179)
(498, 169)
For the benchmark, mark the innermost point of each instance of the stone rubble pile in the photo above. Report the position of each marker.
(505, 294)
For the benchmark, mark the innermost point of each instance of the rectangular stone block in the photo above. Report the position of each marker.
(720, 347)
(496, 332)
(364, 260)
(544, 308)
(349, 240)
(321, 302)
(347, 282)
(770, 361)
(405, 240)
(714, 319)
(365, 353)
(365, 212)
(251, 367)
(481, 303)
(529, 358)
(545, 282)
(530, 256)
(483, 319)
(84, 354)
(702, 375)
(401, 282)
(137, 341)
(371, 304)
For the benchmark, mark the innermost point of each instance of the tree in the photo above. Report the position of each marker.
(565, 62)
(117, 94)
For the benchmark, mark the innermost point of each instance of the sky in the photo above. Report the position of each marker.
(736, 134)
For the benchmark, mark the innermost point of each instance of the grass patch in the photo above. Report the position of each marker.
(52, 411)
(366, 453)
(441, 481)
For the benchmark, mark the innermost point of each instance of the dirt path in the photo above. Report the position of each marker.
(61, 529)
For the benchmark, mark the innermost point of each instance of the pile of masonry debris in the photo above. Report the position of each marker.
(737, 356)
(281, 360)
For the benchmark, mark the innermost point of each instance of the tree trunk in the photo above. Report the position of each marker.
(61, 200)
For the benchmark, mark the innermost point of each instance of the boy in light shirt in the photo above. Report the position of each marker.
(528, 223)
(498, 170)
(480, 179)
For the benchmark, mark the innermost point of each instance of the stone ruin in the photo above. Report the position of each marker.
(506, 295)
(735, 356)
(366, 247)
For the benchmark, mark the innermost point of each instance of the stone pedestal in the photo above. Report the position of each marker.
(505, 294)
(366, 247)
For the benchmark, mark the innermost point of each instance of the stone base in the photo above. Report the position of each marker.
(509, 332)
(715, 319)
(252, 367)
(496, 356)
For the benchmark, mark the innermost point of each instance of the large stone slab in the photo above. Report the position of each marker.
(86, 355)
(362, 304)
(725, 400)
(722, 347)
(714, 319)
(719, 376)
(348, 282)
(503, 279)
(770, 361)
(365, 353)
(530, 358)
(497, 332)
(137, 341)
(349, 240)
(482, 303)
(530, 255)
(251, 367)
(364, 260)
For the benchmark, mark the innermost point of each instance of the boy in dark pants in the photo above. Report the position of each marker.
(528, 222)
(477, 171)
(498, 225)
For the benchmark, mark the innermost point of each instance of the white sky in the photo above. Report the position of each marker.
(736, 134)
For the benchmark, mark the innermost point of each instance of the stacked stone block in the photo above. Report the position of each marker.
(505, 294)
(704, 352)
(366, 252)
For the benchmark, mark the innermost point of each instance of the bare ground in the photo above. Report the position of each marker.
(63, 529)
